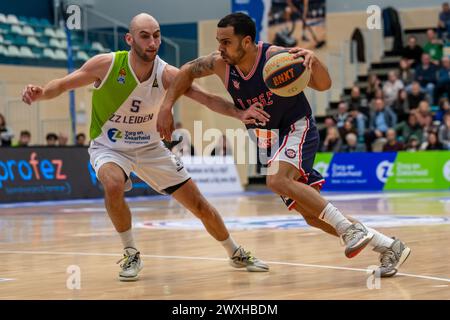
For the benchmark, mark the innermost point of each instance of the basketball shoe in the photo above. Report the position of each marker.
(245, 259)
(356, 237)
(131, 265)
(392, 258)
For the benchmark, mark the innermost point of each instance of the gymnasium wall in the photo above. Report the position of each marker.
(44, 116)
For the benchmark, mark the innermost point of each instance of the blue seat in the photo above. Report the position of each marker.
(45, 23)
(34, 22)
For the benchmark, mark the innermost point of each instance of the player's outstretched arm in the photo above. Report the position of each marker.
(92, 70)
(216, 103)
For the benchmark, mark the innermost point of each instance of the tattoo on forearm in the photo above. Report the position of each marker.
(202, 64)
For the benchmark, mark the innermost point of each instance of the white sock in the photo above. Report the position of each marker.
(331, 215)
(127, 239)
(380, 240)
(230, 246)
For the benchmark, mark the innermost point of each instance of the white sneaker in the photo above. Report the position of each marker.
(245, 259)
(131, 265)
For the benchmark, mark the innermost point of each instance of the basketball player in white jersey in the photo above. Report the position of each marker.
(128, 90)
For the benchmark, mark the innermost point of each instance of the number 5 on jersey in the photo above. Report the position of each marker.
(135, 105)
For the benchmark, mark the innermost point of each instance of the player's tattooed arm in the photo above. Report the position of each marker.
(203, 66)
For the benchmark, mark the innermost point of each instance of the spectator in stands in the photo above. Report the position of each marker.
(80, 140)
(412, 52)
(359, 121)
(346, 129)
(432, 142)
(355, 100)
(415, 95)
(328, 122)
(52, 139)
(381, 120)
(6, 134)
(401, 105)
(222, 148)
(422, 111)
(406, 73)
(378, 95)
(434, 47)
(62, 139)
(342, 114)
(373, 84)
(444, 131)
(406, 129)
(444, 21)
(392, 144)
(332, 142)
(352, 144)
(428, 126)
(426, 75)
(413, 144)
(443, 79)
(444, 107)
(24, 139)
(391, 88)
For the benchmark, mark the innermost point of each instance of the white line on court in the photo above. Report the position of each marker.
(214, 259)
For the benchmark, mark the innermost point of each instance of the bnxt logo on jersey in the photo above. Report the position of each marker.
(114, 134)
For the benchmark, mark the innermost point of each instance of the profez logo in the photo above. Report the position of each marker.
(114, 134)
(384, 170)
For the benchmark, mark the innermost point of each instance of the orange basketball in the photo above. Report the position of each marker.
(284, 75)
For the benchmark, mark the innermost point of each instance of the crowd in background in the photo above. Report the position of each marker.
(410, 111)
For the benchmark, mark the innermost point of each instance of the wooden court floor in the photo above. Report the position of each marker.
(41, 245)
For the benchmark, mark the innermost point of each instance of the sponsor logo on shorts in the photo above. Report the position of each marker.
(114, 134)
(290, 153)
(266, 138)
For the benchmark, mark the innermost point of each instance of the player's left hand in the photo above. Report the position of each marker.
(164, 124)
(309, 56)
(254, 115)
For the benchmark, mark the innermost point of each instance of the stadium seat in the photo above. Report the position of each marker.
(60, 55)
(60, 34)
(44, 22)
(1, 38)
(54, 43)
(2, 18)
(26, 52)
(16, 29)
(13, 51)
(5, 28)
(34, 22)
(27, 31)
(9, 38)
(3, 50)
(12, 19)
(81, 55)
(33, 41)
(48, 53)
(50, 32)
(37, 52)
(97, 46)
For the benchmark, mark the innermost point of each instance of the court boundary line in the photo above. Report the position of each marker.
(306, 265)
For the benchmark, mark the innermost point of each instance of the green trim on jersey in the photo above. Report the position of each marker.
(113, 92)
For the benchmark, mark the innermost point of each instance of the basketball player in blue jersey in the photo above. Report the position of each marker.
(238, 63)
(129, 87)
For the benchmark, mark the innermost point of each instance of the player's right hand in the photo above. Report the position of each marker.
(255, 115)
(164, 123)
(31, 93)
